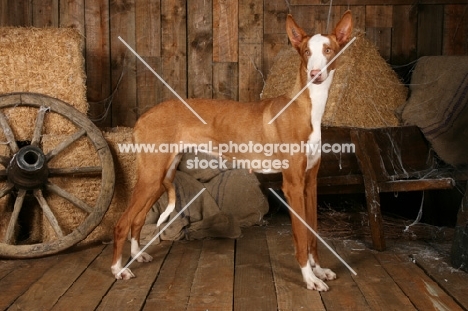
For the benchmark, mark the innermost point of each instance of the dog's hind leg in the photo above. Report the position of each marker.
(149, 187)
(171, 196)
(140, 218)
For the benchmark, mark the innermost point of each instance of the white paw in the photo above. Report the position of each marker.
(317, 285)
(312, 281)
(324, 274)
(125, 274)
(144, 257)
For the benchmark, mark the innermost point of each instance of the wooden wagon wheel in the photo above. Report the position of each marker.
(28, 175)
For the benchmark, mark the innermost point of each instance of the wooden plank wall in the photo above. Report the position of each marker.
(222, 48)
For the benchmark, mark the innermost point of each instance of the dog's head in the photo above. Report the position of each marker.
(317, 51)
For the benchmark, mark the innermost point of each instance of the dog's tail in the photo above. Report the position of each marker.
(171, 195)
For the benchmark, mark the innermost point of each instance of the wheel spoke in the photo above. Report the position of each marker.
(36, 139)
(4, 160)
(48, 213)
(64, 144)
(14, 216)
(74, 170)
(8, 133)
(7, 188)
(69, 197)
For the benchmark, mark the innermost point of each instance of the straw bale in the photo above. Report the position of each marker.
(47, 61)
(365, 91)
(88, 188)
(79, 154)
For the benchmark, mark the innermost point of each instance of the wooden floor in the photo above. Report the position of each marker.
(255, 272)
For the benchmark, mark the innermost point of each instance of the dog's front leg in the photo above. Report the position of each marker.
(311, 214)
(293, 188)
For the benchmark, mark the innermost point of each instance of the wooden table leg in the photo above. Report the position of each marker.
(459, 253)
(367, 154)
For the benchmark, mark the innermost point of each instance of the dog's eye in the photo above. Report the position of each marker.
(328, 50)
(307, 52)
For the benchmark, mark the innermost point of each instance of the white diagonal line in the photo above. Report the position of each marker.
(160, 232)
(313, 231)
(311, 81)
(162, 80)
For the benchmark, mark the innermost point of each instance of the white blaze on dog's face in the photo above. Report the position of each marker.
(317, 51)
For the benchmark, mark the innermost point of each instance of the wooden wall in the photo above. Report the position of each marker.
(222, 48)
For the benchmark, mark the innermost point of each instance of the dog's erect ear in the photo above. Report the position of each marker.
(344, 28)
(295, 33)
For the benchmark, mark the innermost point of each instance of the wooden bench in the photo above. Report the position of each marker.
(392, 159)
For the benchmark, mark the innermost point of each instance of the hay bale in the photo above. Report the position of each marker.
(47, 61)
(82, 153)
(365, 91)
(79, 154)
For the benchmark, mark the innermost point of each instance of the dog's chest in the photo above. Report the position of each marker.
(318, 96)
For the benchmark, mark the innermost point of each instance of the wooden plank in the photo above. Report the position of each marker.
(423, 292)
(19, 13)
(3, 13)
(131, 294)
(379, 28)
(291, 291)
(274, 31)
(379, 16)
(382, 39)
(250, 22)
(275, 12)
(174, 50)
(173, 285)
(253, 287)
(251, 77)
(212, 287)
(150, 89)
(451, 280)
(148, 46)
(372, 2)
(98, 62)
(92, 284)
(430, 30)
(123, 68)
(200, 49)
(455, 30)
(56, 280)
(45, 13)
(405, 23)
(225, 30)
(148, 27)
(374, 282)
(72, 14)
(225, 81)
(272, 45)
(20, 275)
(344, 294)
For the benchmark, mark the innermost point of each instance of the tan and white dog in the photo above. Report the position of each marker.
(240, 123)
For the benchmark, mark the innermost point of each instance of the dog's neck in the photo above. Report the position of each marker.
(312, 102)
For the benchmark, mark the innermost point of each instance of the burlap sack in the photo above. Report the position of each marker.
(438, 105)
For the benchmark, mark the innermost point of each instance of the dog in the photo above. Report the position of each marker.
(241, 123)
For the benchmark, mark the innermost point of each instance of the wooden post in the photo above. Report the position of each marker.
(368, 157)
(459, 254)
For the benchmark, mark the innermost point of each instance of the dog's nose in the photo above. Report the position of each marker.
(315, 74)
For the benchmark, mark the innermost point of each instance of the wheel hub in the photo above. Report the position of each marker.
(28, 168)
